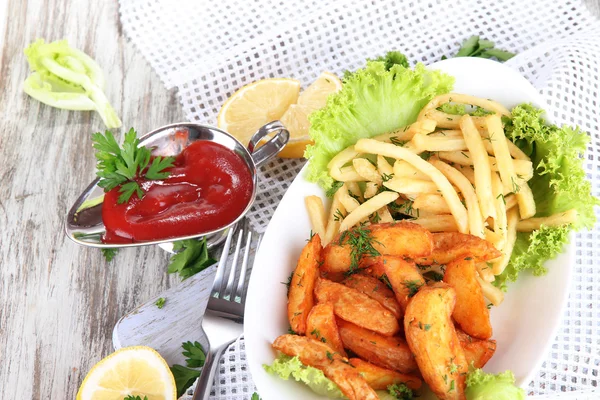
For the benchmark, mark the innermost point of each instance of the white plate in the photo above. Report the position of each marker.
(524, 325)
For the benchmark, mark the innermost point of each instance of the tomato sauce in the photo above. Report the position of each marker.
(209, 186)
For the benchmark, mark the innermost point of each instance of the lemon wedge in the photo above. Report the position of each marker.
(137, 370)
(295, 118)
(255, 105)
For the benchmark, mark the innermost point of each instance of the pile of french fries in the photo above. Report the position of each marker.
(407, 299)
(450, 173)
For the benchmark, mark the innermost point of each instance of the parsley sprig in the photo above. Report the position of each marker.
(121, 165)
(191, 257)
(186, 376)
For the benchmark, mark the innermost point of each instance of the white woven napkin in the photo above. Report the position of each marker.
(209, 49)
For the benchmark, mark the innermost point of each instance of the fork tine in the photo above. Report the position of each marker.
(242, 280)
(218, 283)
(232, 272)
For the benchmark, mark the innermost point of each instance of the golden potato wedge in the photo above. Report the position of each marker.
(380, 378)
(351, 305)
(302, 285)
(477, 352)
(337, 368)
(387, 352)
(448, 246)
(403, 239)
(321, 325)
(471, 312)
(376, 290)
(432, 338)
(405, 278)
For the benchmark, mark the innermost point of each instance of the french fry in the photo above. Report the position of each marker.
(356, 307)
(483, 176)
(523, 168)
(511, 201)
(383, 166)
(334, 221)
(437, 223)
(349, 202)
(491, 292)
(527, 207)
(470, 312)
(436, 143)
(406, 170)
(380, 378)
(431, 336)
(300, 295)
(384, 216)
(467, 171)
(336, 367)
(450, 245)
(433, 203)
(563, 218)
(354, 190)
(336, 165)
(367, 208)
(497, 239)
(371, 189)
(460, 98)
(376, 290)
(367, 170)
(347, 174)
(388, 150)
(449, 133)
(411, 186)
(387, 352)
(469, 194)
(500, 223)
(316, 214)
(514, 150)
(321, 326)
(401, 238)
(406, 133)
(477, 352)
(485, 271)
(501, 151)
(500, 264)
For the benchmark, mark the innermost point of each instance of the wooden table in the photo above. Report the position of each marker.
(59, 301)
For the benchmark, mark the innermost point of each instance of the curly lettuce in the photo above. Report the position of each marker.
(483, 386)
(285, 367)
(373, 101)
(559, 184)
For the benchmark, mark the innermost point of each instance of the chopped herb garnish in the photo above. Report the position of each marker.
(384, 278)
(413, 287)
(109, 254)
(515, 186)
(387, 177)
(400, 391)
(191, 257)
(397, 142)
(291, 331)
(338, 215)
(334, 188)
(288, 283)
(160, 303)
(255, 396)
(132, 397)
(361, 243)
(329, 356)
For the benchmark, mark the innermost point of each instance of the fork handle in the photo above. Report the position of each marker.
(207, 374)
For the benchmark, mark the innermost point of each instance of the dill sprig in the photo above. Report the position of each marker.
(361, 243)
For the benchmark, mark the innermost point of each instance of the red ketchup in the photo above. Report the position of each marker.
(209, 186)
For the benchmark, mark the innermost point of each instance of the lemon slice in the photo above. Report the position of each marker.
(136, 370)
(256, 104)
(295, 118)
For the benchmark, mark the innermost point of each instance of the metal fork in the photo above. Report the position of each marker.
(222, 322)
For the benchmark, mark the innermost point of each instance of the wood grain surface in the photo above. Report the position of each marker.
(59, 302)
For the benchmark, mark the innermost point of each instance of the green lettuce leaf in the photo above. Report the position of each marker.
(286, 367)
(484, 386)
(373, 101)
(559, 184)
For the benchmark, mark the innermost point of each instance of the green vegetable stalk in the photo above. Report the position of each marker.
(66, 78)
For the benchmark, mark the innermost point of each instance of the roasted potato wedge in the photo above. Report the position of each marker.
(470, 312)
(380, 378)
(451, 245)
(376, 290)
(317, 354)
(321, 326)
(351, 305)
(477, 352)
(432, 338)
(405, 278)
(302, 285)
(387, 352)
(403, 239)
